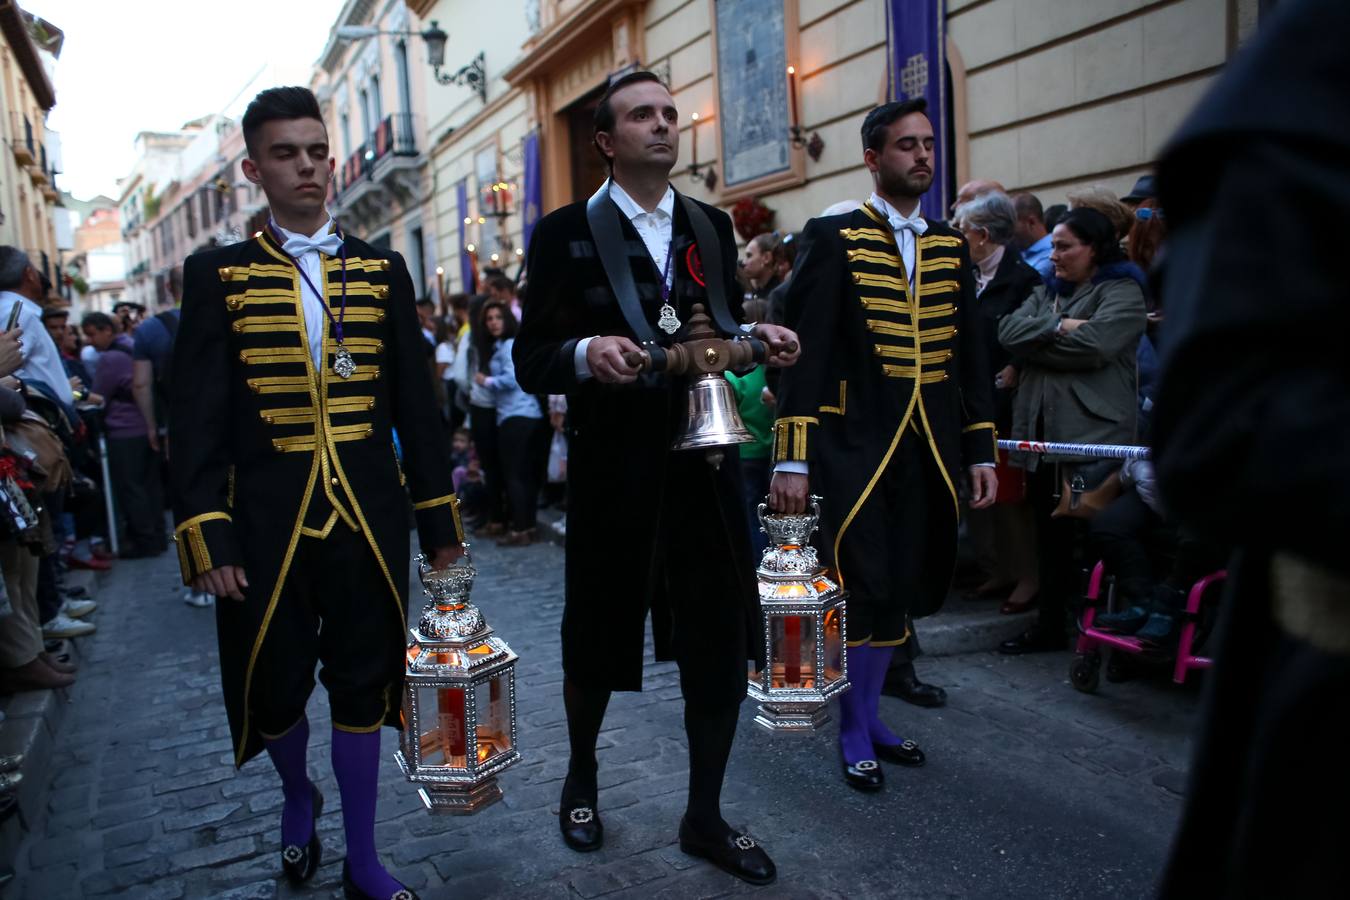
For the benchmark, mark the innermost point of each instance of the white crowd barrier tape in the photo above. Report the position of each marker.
(1085, 451)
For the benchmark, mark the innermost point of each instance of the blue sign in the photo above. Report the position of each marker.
(467, 274)
(916, 37)
(533, 199)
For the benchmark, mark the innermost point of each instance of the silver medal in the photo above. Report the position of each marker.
(343, 364)
(669, 322)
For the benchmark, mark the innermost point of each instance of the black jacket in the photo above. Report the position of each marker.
(264, 447)
(1012, 283)
(619, 440)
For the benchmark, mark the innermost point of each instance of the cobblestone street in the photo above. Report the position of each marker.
(1032, 789)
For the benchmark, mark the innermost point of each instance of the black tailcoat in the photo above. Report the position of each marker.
(1252, 432)
(619, 454)
(264, 448)
(881, 362)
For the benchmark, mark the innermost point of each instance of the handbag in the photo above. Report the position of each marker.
(1087, 488)
(32, 438)
(1012, 480)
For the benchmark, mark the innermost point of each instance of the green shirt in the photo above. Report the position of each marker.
(757, 416)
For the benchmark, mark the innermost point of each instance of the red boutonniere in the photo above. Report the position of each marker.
(694, 263)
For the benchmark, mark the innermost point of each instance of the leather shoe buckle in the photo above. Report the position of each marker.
(402, 894)
(745, 842)
(908, 745)
(866, 765)
(582, 815)
(292, 854)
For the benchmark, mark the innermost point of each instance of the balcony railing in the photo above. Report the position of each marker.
(22, 142)
(394, 136)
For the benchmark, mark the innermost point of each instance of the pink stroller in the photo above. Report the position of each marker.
(1085, 670)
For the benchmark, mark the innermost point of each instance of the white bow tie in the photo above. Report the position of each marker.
(329, 243)
(916, 224)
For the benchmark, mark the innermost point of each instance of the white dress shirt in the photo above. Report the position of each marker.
(655, 229)
(316, 319)
(41, 358)
(906, 228)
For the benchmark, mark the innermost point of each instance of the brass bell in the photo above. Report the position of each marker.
(713, 421)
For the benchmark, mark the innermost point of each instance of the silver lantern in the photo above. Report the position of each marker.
(459, 698)
(805, 628)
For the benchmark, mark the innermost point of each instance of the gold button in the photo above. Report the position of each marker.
(225, 273)
(379, 316)
(253, 386)
(242, 357)
(379, 345)
(857, 279)
(233, 303)
(276, 445)
(238, 327)
(370, 430)
(382, 292)
(333, 482)
(955, 332)
(384, 265)
(270, 420)
(370, 404)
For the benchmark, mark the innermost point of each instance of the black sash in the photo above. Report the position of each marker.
(603, 217)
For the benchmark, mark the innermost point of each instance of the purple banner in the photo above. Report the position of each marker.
(467, 275)
(533, 199)
(916, 37)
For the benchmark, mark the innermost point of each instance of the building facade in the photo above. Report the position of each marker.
(29, 198)
(372, 94)
(139, 203)
(1044, 95)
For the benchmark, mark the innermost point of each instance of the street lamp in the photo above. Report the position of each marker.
(473, 75)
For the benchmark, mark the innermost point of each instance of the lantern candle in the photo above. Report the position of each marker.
(693, 141)
(804, 628)
(792, 92)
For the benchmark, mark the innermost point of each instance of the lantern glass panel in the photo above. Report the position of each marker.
(493, 699)
(834, 646)
(443, 737)
(793, 639)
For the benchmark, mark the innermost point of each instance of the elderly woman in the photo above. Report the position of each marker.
(1075, 338)
(1003, 535)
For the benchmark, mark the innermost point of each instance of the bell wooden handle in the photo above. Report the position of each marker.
(637, 359)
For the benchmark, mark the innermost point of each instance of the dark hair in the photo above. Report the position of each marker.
(604, 111)
(97, 321)
(275, 104)
(1026, 203)
(500, 283)
(14, 265)
(427, 303)
(1054, 214)
(509, 328)
(878, 120)
(459, 301)
(1095, 230)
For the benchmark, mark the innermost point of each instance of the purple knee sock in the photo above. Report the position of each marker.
(854, 739)
(288, 756)
(878, 660)
(356, 763)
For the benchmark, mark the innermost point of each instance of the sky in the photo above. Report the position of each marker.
(151, 65)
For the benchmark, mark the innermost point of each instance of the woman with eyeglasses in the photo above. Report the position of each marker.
(1004, 534)
(1076, 337)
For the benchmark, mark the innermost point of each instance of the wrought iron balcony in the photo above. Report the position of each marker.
(387, 166)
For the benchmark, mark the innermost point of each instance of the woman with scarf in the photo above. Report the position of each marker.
(1074, 340)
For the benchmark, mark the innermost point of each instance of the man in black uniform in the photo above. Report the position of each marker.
(297, 353)
(891, 403)
(647, 528)
(1252, 432)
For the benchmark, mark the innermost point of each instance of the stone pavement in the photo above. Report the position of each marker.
(1032, 789)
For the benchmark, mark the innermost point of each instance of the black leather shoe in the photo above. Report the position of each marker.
(733, 853)
(352, 892)
(580, 825)
(1033, 640)
(905, 753)
(910, 689)
(300, 863)
(865, 775)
